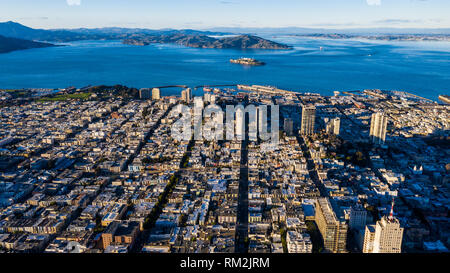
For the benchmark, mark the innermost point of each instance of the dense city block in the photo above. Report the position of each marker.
(98, 170)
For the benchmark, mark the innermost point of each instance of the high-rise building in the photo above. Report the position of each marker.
(332, 227)
(386, 237)
(336, 126)
(289, 126)
(357, 218)
(388, 234)
(145, 93)
(186, 95)
(333, 126)
(369, 238)
(156, 94)
(308, 120)
(378, 126)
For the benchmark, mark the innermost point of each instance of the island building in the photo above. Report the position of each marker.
(247, 61)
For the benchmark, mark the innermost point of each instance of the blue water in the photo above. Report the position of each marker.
(422, 68)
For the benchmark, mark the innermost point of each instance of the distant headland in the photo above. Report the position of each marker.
(204, 41)
(185, 37)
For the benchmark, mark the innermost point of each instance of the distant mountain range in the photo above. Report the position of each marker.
(348, 31)
(16, 30)
(186, 37)
(245, 37)
(8, 44)
(204, 41)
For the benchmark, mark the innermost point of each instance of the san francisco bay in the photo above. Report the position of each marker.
(313, 65)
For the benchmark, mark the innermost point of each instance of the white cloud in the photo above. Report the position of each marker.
(73, 2)
(373, 2)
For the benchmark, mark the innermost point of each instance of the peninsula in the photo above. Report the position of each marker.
(12, 44)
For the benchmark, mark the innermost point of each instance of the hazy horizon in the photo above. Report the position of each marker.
(207, 14)
(280, 30)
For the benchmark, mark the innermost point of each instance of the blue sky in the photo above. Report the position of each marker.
(201, 14)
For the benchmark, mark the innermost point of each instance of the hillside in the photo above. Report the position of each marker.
(16, 30)
(203, 41)
(11, 44)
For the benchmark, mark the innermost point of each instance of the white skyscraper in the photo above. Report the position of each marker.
(333, 126)
(369, 239)
(336, 126)
(378, 126)
(385, 237)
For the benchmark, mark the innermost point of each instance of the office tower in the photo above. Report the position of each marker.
(358, 215)
(388, 234)
(145, 93)
(332, 228)
(336, 126)
(308, 120)
(369, 238)
(378, 125)
(333, 126)
(289, 126)
(384, 237)
(156, 94)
